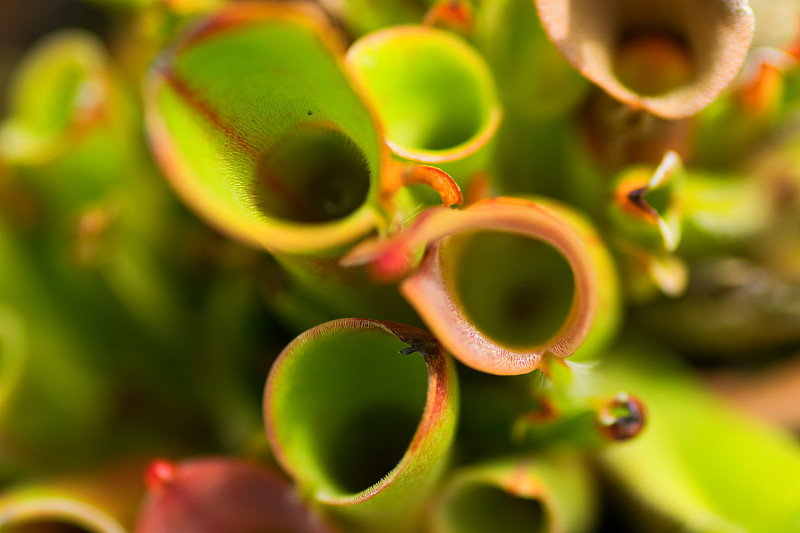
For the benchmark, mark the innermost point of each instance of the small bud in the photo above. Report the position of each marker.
(159, 473)
(622, 417)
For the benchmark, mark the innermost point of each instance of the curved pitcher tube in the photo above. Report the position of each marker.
(434, 94)
(504, 282)
(237, 152)
(99, 501)
(548, 493)
(57, 96)
(361, 414)
(669, 58)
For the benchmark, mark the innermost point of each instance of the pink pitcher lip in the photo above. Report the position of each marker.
(428, 292)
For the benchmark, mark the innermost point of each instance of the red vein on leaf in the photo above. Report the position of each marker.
(194, 101)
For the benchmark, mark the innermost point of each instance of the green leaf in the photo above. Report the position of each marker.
(53, 399)
(698, 462)
(723, 210)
